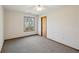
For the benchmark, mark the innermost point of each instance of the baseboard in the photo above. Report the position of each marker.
(63, 44)
(21, 37)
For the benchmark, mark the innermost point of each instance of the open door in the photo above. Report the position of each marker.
(44, 26)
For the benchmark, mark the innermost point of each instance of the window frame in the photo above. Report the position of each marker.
(24, 23)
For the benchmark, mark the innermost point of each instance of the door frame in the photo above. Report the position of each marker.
(42, 24)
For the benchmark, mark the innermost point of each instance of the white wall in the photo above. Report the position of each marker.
(39, 25)
(14, 24)
(1, 27)
(63, 25)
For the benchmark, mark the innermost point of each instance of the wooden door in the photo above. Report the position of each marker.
(44, 26)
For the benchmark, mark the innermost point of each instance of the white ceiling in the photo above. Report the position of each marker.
(30, 8)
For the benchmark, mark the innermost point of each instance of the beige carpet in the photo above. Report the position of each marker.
(35, 44)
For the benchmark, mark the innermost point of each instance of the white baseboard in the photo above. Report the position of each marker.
(64, 43)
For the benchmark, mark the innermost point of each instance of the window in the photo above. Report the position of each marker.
(29, 24)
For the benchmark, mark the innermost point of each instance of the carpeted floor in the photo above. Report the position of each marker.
(35, 44)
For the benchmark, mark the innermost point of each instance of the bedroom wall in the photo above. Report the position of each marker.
(63, 25)
(14, 24)
(1, 28)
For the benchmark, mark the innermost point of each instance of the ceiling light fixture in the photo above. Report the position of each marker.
(39, 8)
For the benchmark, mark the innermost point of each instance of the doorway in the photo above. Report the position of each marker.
(44, 26)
